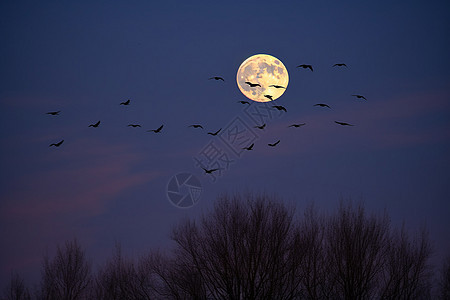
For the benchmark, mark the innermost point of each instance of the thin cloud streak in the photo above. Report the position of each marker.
(377, 126)
(88, 178)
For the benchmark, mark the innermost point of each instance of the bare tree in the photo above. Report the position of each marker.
(68, 275)
(357, 246)
(253, 247)
(315, 269)
(115, 278)
(174, 279)
(16, 289)
(121, 278)
(243, 250)
(406, 273)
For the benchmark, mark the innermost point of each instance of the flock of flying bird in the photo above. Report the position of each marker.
(215, 133)
(278, 107)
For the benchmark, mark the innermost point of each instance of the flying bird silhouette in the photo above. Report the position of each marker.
(215, 133)
(359, 97)
(217, 78)
(277, 86)
(274, 144)
(340, 65)
(196, 126)
(244, 102)
(95, 125)
(53, 113)
(57, 144)
(252, 84)
(279, 107)
(209, 171)
(297, 125)
(269, 97)
(261, 127)
(156, 130)
(343, 123)
(305, 67)
(133, 125)
(125, 103)
(249, 147)
(322, 105)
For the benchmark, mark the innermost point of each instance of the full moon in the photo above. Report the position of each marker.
(266, 71)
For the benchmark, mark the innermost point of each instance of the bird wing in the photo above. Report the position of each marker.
(160, 127)
(56, 144)
(343, 123)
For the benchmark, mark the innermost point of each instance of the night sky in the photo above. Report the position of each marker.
(109, 184)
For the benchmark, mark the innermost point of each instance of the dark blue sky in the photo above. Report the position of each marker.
(109, 183)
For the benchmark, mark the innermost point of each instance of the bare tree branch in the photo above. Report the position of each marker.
(16, 289)
(67, 275)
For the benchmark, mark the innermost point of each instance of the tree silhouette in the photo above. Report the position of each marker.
(16, 289)
(406, 273)
(254, 247)
(121, 278)
(67, 276)
(356, 246)
(315, 269)
(243, 250)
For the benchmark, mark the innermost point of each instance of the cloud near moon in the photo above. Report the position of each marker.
(265, 70)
